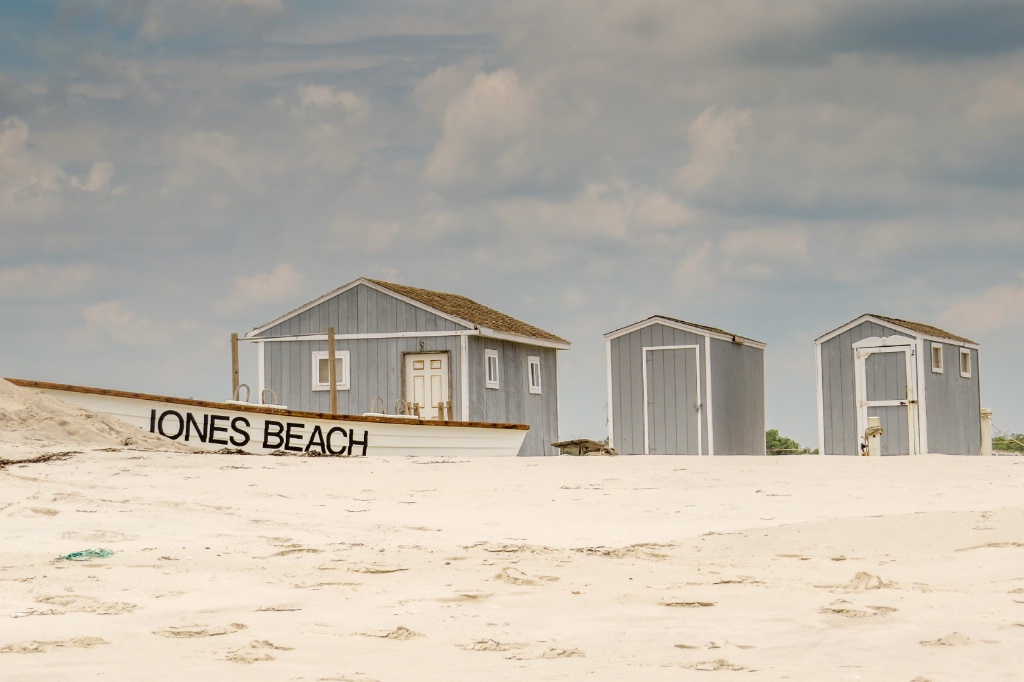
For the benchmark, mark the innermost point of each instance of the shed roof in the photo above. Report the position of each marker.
(460, 308)
(918, 327)
(655, 318)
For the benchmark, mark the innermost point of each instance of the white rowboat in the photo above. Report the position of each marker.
(261, 429)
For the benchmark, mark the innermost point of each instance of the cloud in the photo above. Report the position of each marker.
(610, 210)
(98, 178)
(484, 132)
(111, 323)
(356, 108)
(433, 94)
(693, 273)
(45, 282)
(777, 244)
(30, 184)
(714, 139)
(180, 19)
(279, 284)
(1000, 308)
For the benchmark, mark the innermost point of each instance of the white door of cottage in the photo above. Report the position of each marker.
(885, 376)
(426, 382)
(672, 400)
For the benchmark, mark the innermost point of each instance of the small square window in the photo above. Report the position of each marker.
(491, 368)
(965, 363)
(322, 368)
(533, 366)
(937, 358)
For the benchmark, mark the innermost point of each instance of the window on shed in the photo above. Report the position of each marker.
(533, 365)
(491, 368)
(965, 363)
(937, 358)
(322, 368)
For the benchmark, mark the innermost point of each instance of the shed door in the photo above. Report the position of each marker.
(426, 381)
(886, 384)
(672, 401)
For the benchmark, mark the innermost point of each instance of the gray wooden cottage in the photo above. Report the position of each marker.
(676, 387)
(399, 343)
(922, 383)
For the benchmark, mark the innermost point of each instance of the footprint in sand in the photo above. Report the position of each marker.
(952, 639)
(549, 652)
(400, 633)
(38, 647)
(191, 631)
(688, 604)
(490, 645)
(715, 645)
(258, 651)
(74, 603)
(841, 607)
(98, 536)
(717, 664)
(514, 576)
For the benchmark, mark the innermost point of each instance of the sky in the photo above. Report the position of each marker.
(173, 172)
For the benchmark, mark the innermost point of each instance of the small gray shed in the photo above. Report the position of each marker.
(922, 383)
(399, 343)
(676, 387)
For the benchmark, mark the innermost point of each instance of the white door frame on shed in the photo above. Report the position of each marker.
(643, 357)
(890, 344)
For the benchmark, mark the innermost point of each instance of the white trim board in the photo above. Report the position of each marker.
(682, 326)
(867, 317)
(608, 407)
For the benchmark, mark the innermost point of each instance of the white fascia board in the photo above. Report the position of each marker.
(732, 338)
(885, 323)
(378, 335)
(351, 285)
(820, 398)
(529, 340)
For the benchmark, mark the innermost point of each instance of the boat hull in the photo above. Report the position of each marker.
(252, 428)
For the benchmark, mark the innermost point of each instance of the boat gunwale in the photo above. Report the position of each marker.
(260, 409)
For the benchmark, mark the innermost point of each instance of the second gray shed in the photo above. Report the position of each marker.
(679, 388)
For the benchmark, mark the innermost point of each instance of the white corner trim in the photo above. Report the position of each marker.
(464, 376)
(922, 407)
(708, 410)
(821, 398)
(608, 407)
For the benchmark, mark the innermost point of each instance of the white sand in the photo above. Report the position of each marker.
(609, 568)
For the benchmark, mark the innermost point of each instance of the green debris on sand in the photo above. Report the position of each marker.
(87, 554)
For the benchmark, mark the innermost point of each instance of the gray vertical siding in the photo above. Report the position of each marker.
(512, 400)
(627, 361)
(838, 390)
(953, 403)
(737, 394)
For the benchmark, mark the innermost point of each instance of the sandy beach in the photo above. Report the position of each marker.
(609, 568)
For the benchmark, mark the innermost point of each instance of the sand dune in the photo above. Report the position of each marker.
(610, 568)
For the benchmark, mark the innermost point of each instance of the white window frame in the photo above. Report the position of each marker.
(965, 352)
(492, 369)
(533, 361)
(936, 354)
(341, 381)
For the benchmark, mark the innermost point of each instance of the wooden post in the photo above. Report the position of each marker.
(332, 370)
(234, 366)
(986, 432)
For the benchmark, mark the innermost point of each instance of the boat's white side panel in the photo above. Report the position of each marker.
(216, 428)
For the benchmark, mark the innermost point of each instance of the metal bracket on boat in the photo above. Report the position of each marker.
(238, 390)
(401, 406)
(263, 397)
(415, 407)
(374, 403)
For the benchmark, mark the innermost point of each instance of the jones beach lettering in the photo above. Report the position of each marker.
(218, 429)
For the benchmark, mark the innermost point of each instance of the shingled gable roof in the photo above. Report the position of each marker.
(470, 311)
(924, 329)
(713, 330)
(452, 305)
